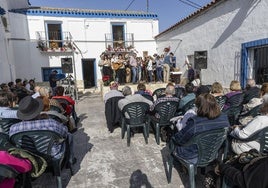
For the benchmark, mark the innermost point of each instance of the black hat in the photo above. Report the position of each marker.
(29, 108)
(55, 71)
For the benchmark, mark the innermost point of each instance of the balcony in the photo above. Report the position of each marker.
(125, 43)
(54, 41)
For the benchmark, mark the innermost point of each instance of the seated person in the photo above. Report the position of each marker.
(5, 107)
(21, 91)
(251, 91)
(142, 90)
(182, 120)
(129, 98)
(48, 113)
(69, 108)
(189, 89)
(209, 117)
(46, 92)
(217, 92)
(113, 92)
(258, 123)
(235, 89)
(29, 112)
(169, 96)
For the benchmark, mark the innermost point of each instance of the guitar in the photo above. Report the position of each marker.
(117, 65)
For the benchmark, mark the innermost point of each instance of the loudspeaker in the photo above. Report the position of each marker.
(200, 60)
(66, 65)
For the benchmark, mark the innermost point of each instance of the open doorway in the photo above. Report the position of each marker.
(88, 66)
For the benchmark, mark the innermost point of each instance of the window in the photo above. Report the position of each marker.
(54, 35)
(118, 36)
(261, 64)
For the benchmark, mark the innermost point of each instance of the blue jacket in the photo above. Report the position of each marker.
(194, 126)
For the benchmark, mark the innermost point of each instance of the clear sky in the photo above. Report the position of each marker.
(169, 11)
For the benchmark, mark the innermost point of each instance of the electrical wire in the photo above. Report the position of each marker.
(187, 3)
(194, 3)
(130, 4)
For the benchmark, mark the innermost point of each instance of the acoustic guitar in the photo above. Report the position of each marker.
(117, 65)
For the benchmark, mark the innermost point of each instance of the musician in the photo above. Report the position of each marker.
(120, 70)
(133, 64)
(114, 59)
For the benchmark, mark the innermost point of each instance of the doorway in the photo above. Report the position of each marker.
(88, 67)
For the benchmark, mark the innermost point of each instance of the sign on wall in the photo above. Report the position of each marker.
(67, 65)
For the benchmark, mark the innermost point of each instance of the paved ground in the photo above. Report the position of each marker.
(105, 161)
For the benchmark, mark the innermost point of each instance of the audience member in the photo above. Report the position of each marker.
(129, 98)
(189, 89)
(235, 89)
(181, 120)
(209, 117)
(217, 92)
(113, 92)
(169, 96)
(142, 90)
(5, 110)
(20, 89)
(70, 107)
(251, 91)
(258, 123)
(29, 112)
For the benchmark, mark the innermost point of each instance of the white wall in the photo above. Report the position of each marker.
(89, 35)
(220, 30)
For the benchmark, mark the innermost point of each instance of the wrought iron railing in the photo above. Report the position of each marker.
(126, 42)
(54, 41)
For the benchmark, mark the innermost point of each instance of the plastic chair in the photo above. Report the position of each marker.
(208, 144)
(235, 100)
(166, 111)
(160, 92)
(186, 107)
(180, 92)
(253, 112)
(149, 97)
(137, 117)
(5, 123)
(233, 113)
(41, 143)
(260, 136)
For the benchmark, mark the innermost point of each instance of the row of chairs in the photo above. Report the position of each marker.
(138, 116)
(38, 142)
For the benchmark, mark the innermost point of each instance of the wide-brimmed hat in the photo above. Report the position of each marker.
(29, 108)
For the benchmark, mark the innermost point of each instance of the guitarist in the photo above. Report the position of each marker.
(121, 71)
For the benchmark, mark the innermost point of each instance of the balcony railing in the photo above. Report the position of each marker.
(123, 44)
(54, 41)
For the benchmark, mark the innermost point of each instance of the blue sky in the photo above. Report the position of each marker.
(169, 11)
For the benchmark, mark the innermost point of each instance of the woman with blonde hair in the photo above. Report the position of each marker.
(217, 92)
(235, 90)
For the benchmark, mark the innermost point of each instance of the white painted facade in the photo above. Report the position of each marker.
(8, 31)
(88, 34)
(220, 29)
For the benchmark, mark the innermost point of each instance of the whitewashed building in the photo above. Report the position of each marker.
(226, 39)
(71, 40)
(13, 28)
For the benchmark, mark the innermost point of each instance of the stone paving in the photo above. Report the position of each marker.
(105, 161)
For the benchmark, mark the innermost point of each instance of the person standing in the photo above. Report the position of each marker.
(166, 68)
(53, 81)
